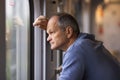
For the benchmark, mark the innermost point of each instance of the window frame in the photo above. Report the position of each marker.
(2, 42)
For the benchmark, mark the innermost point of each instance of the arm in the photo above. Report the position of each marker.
(73, 67)
(41, 22)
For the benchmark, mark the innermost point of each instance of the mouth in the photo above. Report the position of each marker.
(51, 43)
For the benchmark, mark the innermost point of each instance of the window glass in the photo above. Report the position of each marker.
(17, 39)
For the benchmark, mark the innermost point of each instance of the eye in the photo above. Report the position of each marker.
(52, 32)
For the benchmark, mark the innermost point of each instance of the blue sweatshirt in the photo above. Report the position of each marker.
(88, 59)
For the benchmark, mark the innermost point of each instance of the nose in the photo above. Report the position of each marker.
(49, 38)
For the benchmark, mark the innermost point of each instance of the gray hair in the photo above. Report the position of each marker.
(65, 20)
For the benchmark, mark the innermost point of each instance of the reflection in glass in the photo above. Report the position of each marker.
(17, 39)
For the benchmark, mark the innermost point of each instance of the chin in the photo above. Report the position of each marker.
(54, 48)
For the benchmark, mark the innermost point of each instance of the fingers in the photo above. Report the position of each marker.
(38, 20)
(41, 22)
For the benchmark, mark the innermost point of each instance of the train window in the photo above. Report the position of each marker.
(17, 39)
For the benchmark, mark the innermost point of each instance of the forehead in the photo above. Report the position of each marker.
(52, 23)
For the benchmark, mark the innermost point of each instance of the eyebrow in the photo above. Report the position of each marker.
(48, 30)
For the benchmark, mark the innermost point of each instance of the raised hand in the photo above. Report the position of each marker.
(41, 22)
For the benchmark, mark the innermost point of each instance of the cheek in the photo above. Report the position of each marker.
(60, 40)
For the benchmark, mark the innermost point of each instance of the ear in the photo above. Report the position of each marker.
(69, 32)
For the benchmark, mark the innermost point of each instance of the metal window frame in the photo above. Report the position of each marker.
(39, 44)
(45, 60)
(2, 42)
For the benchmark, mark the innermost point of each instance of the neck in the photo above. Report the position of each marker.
(70, 42)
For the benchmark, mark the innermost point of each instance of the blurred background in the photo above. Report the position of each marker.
(24, 51)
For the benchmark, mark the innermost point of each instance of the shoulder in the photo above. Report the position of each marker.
(75, 54)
